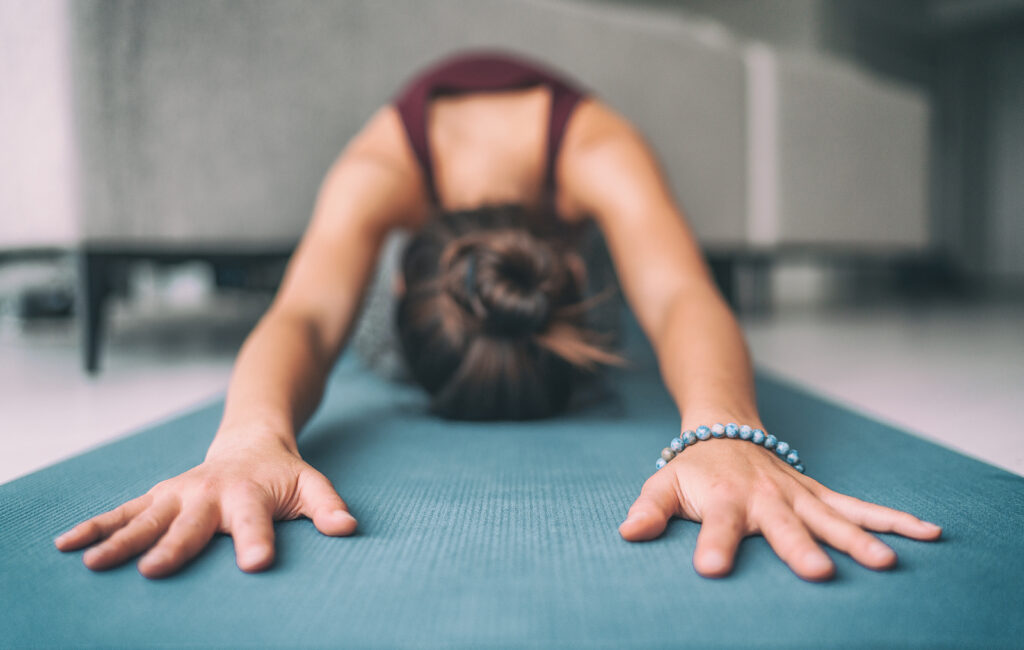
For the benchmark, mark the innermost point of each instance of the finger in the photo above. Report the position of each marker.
(880, 518)
(101, 526)
(320, 502)
(839, 533)
(251, 525)
(139, 534)
(649, 515)
(792, 542)
(722, 528)
(190, 531)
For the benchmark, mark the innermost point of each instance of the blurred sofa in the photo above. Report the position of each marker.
(201, 130)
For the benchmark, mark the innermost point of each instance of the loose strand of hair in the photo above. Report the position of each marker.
(580, 347)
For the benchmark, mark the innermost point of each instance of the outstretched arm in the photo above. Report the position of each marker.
(280, 373)
(253, 474)
(701, 352)
(735, 489)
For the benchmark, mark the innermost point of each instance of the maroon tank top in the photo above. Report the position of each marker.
(482, 71)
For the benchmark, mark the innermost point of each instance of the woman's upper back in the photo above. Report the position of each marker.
(489, 148)
(486, 127)
(485, 147)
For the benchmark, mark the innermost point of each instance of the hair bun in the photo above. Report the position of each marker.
(508, 280)
(491, 319)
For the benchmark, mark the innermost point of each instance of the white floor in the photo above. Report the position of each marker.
(156, 362)
(951, 372)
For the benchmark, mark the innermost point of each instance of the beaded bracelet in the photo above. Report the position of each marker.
(756, 436)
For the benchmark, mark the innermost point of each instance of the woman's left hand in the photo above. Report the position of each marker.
(735, 489)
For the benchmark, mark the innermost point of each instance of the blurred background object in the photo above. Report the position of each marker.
(842, 161)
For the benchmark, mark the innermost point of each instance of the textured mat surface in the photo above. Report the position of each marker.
(505, 536)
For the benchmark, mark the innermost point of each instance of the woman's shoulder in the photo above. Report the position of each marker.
(598, 140)
(383, 140)
(381, 146)
(593, 124)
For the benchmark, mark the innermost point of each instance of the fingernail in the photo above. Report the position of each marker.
(343, 513)
(929, 524)
(155, 557)
(60, 538)
(92, 554)
(881, 551)
(817, 562)
(714, 561)
(253, 556)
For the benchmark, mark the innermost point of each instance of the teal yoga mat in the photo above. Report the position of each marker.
(505, 535)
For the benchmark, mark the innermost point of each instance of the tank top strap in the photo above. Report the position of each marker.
(483, 71)
(563, 101)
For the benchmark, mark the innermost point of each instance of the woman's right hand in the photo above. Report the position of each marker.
(239, 491)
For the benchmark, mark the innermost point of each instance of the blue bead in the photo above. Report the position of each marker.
(703, 432)
(782, 448)
(792, 457)
(799, 467)
(745, 432)
(659, 464)
(676, 445)
(689, 438)
(770, 441)
(717, 430)
(757, 437)
(667, 454)
(731, 430)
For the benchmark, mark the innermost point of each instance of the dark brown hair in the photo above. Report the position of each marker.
(491, 320)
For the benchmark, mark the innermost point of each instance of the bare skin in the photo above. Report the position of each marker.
(488, 148)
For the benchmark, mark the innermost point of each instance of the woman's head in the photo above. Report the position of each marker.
(491, 322)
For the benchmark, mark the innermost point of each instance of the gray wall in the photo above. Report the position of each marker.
(214, 122)
(1005, 145)
(785, 24)
(38, 175)
(175, 98)
(978, 92)
(968, 56)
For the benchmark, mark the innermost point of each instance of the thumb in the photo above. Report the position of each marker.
(646, 519)
(319, 501)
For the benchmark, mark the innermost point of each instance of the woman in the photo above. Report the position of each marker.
(491, 309)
